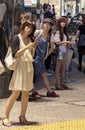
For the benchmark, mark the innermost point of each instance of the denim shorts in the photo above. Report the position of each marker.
(61, 55)
(39, 68)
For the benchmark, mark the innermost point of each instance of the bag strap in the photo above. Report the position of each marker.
(38, 34)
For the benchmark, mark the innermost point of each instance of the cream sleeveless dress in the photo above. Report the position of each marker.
(22, 78)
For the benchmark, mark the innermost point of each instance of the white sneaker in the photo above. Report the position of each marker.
(68, 81)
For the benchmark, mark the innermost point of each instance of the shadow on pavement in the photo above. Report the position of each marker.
(21, 124)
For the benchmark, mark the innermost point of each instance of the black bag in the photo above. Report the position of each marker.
(81, 41)
(56, 50)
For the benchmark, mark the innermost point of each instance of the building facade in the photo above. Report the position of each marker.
(60, 5)
(76, 5)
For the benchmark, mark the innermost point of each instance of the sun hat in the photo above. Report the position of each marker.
(61, 19)
(48, 20)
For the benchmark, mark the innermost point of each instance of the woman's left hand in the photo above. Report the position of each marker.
(69, 44)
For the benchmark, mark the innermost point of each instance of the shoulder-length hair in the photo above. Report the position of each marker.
(33, 26)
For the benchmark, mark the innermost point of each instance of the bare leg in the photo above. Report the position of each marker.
(24, 102)
(63, 70)
(46, 82)
(58, 67)
(50, 93)
(11, 102)
(58, 75)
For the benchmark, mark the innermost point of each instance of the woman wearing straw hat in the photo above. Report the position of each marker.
(44, 38)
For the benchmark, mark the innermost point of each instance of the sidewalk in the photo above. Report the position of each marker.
(64, 113)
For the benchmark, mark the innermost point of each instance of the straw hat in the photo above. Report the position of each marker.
(48, 20)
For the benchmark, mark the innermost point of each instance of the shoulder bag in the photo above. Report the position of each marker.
(2, 69)
(10, 61)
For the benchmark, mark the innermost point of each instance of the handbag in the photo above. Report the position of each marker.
(10, 61)
(2, 69)
(56, 50)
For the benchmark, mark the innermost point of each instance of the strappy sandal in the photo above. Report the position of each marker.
(58, 87)
(65, 86)
(6, 122)
(36, 95)
(23, 120)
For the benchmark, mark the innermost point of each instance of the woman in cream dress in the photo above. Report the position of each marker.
(22, 78)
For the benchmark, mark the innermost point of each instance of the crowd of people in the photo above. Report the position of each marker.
(38, 38)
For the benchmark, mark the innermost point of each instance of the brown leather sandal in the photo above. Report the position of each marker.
(58, 87)
(23, 120)
(36, 95)
(6, 122)
(65, 86)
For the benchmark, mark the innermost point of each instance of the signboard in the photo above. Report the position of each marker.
(27, 3)
(34, 3)
(30, 3)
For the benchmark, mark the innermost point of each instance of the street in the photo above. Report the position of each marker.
(69, 106)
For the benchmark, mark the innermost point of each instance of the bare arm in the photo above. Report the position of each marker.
(77, 35)
(58, 41)
(62, 42)
(19, 52)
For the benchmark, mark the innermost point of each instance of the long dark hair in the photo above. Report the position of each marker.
(59, 28)
(49, 33)
(32, 33)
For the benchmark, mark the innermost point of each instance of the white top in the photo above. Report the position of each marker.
(2, 11)
(68, 10)
(63, 46)
(39, 33)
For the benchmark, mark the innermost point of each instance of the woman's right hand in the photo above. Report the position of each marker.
(35, 43)
(32, 44)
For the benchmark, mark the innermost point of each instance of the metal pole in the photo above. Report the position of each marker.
(60, 7)
(77, 7)
(14, 2)
(48, 1)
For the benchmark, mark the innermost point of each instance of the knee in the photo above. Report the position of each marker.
(25, 94)
(16, 93)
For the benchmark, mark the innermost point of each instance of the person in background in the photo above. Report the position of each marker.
(22, 78)
(62, 40)
(53, 11)
(23, 17)
(36, 19)
(47, 12)
(83, 10)
(41, 13)
(68, 9)
(81, 48)
(3, 37)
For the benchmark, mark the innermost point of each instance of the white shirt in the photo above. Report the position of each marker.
(39, 33)
(68, 10)
(63, 46)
